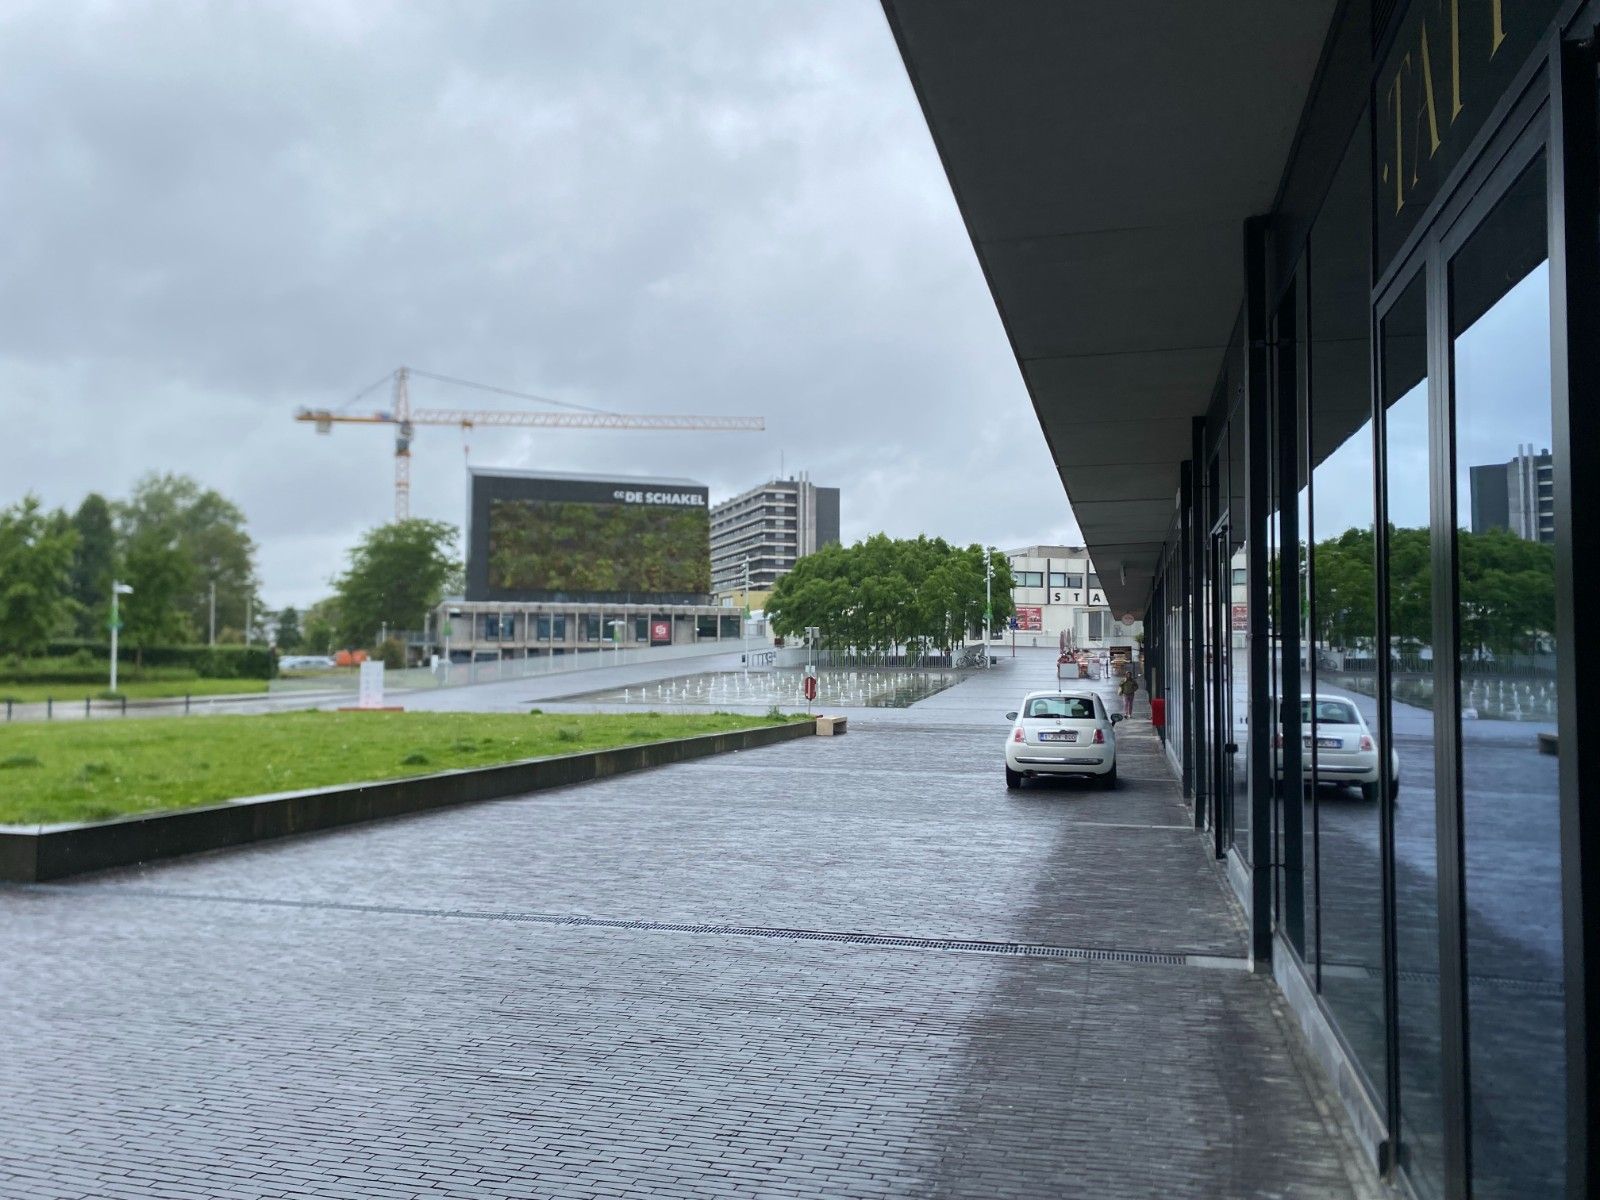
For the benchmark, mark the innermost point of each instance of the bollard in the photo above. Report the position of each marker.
(86, 708)
(124, 704)
(186, 704)
(8, 710)
(49, 707)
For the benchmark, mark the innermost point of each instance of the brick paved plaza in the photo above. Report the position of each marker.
(399, 1010)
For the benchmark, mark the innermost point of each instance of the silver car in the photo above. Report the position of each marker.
(1346, 750)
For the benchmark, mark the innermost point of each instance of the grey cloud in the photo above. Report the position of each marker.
(219, 212)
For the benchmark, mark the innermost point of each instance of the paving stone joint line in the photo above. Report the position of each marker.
(846, 937)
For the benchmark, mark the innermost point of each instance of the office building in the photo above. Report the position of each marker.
(1059, 602)
(1518, 495)
(562, 563)
(771, 526)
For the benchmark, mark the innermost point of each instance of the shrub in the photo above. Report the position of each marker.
(391, 653)
(208, 662)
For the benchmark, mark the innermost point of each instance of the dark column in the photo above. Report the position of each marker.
(1185, 690)
(1197, 631)
(1291, 789)
(1575, 369)
(1258, 457)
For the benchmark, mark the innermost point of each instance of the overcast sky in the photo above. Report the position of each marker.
(216, 213)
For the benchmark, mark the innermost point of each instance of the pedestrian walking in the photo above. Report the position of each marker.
(1128, 687)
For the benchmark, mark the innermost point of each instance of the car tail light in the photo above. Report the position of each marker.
(1016, 735)
(1366, 742)
(1099, 737)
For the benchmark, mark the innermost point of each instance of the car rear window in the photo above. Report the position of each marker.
(1330, 712)
(1071, 707)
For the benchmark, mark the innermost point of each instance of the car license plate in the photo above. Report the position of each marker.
(1326, 743)
(1059, 735)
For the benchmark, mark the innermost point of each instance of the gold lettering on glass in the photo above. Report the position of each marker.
(1495, 8)
(1396, 96)
(1428, 104)
(1455, 60)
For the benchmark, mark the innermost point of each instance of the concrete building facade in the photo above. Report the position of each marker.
(1057, 591)
(1518, 495)
(772, 525)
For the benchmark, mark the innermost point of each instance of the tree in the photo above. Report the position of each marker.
(35, 575)
(287, 634)
(320, 627)
(209, 531)
(883, 594)
(161, 574)
(93, 562)
(398, 573)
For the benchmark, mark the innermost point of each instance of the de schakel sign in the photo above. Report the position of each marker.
(680, 498)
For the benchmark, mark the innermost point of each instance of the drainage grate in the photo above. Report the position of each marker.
(890, 940)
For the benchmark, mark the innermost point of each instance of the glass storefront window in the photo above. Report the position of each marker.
(1296, 762)
(1408, 734)
(1506, 680)
(1234, 581)
(1340, 729)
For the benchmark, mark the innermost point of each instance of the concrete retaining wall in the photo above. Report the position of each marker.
(32, 854)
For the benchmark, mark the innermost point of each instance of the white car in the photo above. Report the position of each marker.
(1062, 733)
(1347, 753)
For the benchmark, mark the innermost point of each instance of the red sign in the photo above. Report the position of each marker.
(660, 633)
(1030, 619)
(811, 687)
(1241, 618)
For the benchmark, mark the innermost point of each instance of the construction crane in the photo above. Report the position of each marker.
(404, 418)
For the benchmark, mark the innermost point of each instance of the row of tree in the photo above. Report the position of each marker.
(182, 547)
(179, 545)
(884, 595)
(1507, 601)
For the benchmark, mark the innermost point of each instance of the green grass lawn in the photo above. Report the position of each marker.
(134, 689)
(88, 771)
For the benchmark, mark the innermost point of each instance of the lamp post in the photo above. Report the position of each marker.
(988, 600)
(744, 619)
(117, 589)
(1010, 562)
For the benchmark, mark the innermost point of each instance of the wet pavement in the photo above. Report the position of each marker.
(853, 966)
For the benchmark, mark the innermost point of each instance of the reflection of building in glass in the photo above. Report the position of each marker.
(772, 525)
(1518, 495)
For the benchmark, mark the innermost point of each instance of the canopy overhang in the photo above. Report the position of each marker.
(1105, 158)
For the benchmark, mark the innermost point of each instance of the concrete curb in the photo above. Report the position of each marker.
(37, 853)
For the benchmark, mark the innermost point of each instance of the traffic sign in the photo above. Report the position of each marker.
(811, 687)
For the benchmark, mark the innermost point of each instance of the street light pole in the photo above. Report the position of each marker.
(744, 619)
(213, 621)
(117, 589)
(988, 600)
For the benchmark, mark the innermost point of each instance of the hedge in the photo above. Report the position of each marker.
(209, 662)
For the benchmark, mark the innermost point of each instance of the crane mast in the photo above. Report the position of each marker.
(405, 420)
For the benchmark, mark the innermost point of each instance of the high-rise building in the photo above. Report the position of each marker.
(1518, 495)
(772, 526)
